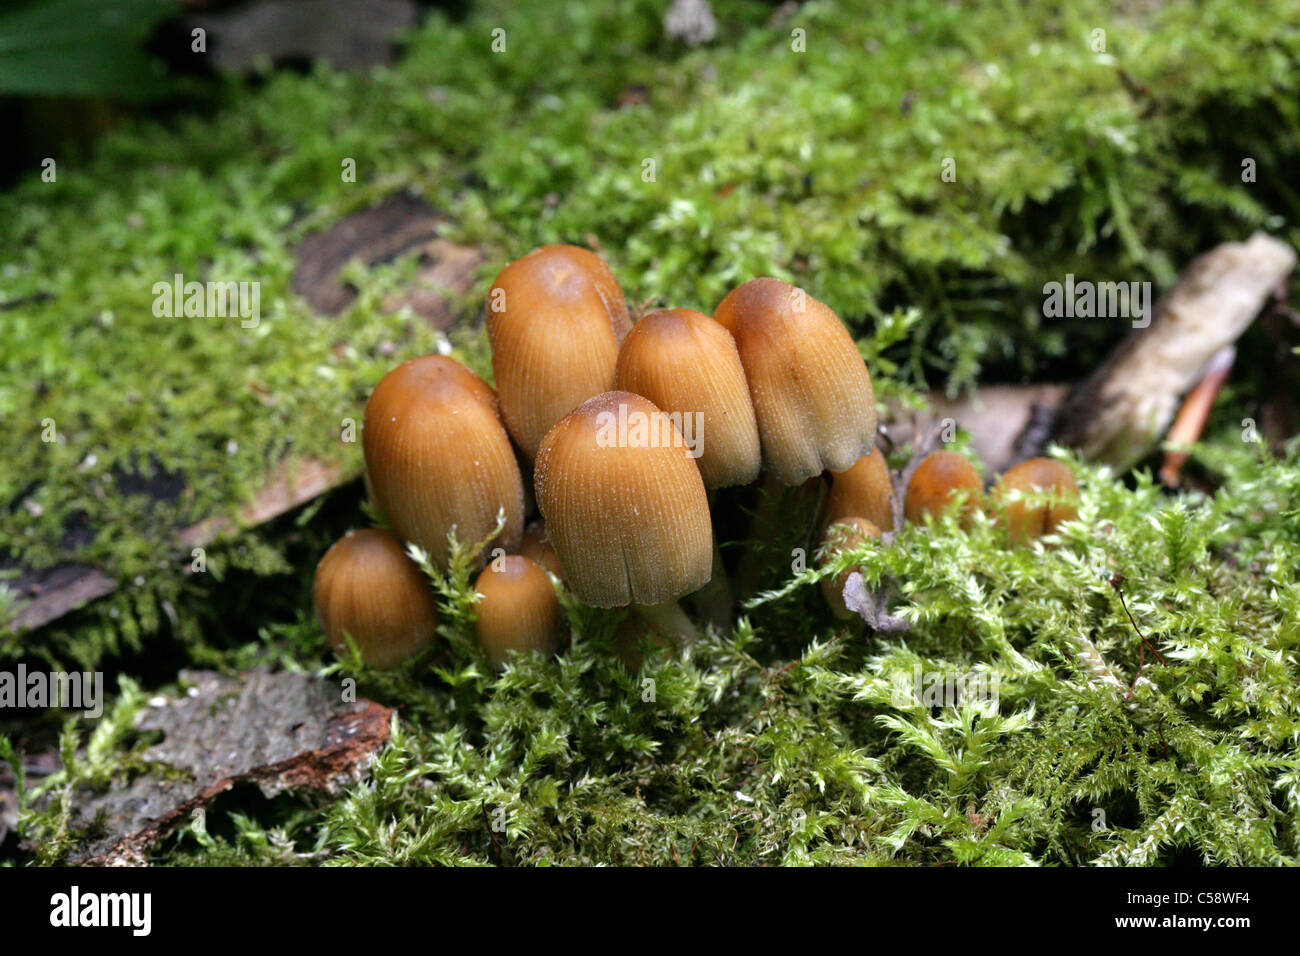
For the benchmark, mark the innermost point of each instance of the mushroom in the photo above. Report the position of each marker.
(537, 548)
(939, 480)
(843, 534)
(517, 609)
(864, 489)
(811, 390)
(1026, 520)
(438, 457)
(368, 588)
(629, 638)
(555, 319)
(625, 508)
(687, 364)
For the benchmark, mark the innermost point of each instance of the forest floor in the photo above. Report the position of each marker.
(924, 169)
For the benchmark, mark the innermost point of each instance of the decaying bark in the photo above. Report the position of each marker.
(279, 731)
(50, 593)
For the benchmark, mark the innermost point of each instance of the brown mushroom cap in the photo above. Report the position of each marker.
(517, 610)
(537, 547)
(940, 477)
(843, 534)
(1025, 520)
(865, 489)
(438, 457)
(687, 364)
(555, 319)
(624, 503)
(367, 587)
(811, 390)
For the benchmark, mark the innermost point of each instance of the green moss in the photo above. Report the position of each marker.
(802, 741)
(822, 167)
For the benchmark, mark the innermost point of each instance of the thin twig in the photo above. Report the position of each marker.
(1116, 580)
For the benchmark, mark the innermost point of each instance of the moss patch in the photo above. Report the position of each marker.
(823, 167)
(793, 740)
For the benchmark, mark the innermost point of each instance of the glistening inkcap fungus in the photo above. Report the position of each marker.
(937, 481)
(687, 364)
(1026, 520)
(518, 610)
(864, 490)
(811, 390)
(368, 588)
(438, 457)
(555, 319)
(624, 504)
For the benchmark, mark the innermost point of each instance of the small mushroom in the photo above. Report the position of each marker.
(1028, 520)
(811, 390)
(555, 319)
(687, 364)
(865, 489)
(940, 479)
(625, 506)
(368, 588)
(517, 609)
(438, 457)
(843, 534)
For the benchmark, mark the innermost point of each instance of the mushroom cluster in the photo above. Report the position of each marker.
(626, 430)
(1029, 500)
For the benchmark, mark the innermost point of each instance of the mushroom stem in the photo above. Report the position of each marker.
(669, 619)
(714, 602)
(778, 506)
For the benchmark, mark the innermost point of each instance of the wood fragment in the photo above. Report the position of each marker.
(49, 594)
(445, 270)
(374, 235)
(55, 591)
(1118, 413)
(294, 482)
